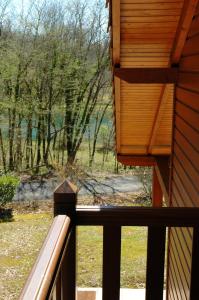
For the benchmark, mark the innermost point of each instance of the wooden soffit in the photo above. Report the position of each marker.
(147, 42)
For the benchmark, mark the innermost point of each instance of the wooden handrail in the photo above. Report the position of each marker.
(43, 275)
(137, 216)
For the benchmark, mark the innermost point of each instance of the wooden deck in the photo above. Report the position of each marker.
(125, 294)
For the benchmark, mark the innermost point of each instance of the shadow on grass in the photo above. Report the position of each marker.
(6, 215)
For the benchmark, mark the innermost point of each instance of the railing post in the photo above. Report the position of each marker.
(155, 262)
(65, 199)
(111, 262)
(194, 289)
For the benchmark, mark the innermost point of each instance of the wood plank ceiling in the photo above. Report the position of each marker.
(144, 36)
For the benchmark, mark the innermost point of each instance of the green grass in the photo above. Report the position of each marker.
(98, 164)
(89, 256)
(82, 159)
(21, 241)
(133, 264)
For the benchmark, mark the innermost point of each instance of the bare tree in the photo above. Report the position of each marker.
(53, 77)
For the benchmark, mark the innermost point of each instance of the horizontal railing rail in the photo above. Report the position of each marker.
(44, 279)
(156, 220)
(137, 216)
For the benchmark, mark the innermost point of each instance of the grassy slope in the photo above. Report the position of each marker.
(20, 243)
(22, 239)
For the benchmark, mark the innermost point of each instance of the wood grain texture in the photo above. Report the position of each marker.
(147, 75)
(187, 14)
(162, 171)
(40, 281)
(117, 87)
(164, 96)
(137, 216)
(115, 15)
(185, 172)
(65, 199)
(116, 31)
(136, 160)
(194, 287)
(147, 32)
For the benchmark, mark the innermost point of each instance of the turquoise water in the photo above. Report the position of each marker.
(107, 123)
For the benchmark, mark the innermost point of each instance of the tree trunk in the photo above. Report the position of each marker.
(29, 153)
(2, 151)
(12, 121)
(38, 159)
(18, 145)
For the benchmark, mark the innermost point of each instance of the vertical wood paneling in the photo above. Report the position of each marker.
(185, 172)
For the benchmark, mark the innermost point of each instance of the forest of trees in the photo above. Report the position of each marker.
(55, 89)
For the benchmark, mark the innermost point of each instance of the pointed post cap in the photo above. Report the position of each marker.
(65, 198)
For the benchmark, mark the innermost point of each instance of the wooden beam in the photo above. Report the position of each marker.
(147, 75)
(117, 112)
(162, 169)
(116, 31)
(181, 35)
(183, 29)
(116, 61)
(158, 116)
(130, 160)
(188, 11)
(157, 193)
(161, 150)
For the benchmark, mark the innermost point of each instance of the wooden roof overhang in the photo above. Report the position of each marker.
(147, 41)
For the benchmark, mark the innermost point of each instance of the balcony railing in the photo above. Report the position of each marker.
(54, 273)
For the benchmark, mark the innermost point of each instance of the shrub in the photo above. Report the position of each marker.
(8, 185)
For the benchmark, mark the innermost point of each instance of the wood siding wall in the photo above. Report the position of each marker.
(185, 171)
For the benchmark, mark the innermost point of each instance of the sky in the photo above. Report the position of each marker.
(26, 3)
(15, 13)
(18, 4)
